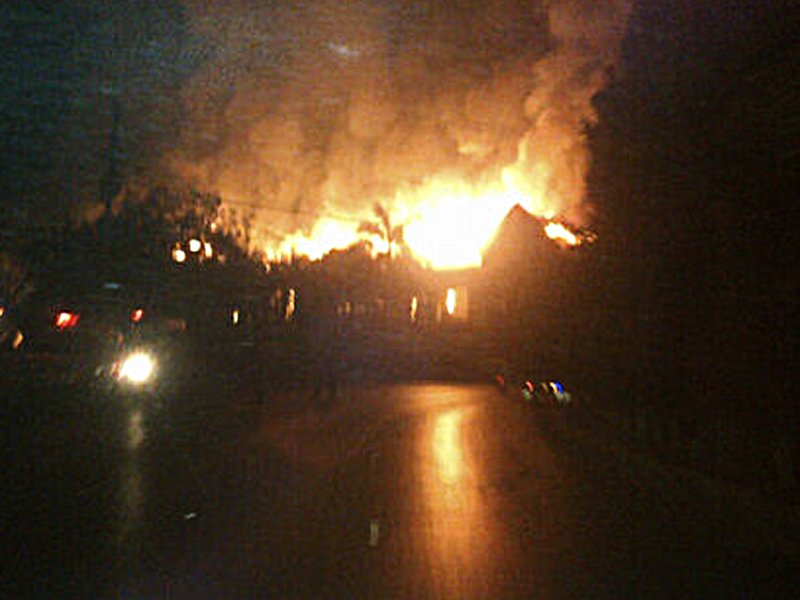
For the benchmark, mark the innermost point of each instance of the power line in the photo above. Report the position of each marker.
(291, 211)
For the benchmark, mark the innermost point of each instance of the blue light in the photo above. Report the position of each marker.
(559, 387)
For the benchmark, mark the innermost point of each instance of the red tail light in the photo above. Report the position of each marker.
(66, 320)
(137, 315)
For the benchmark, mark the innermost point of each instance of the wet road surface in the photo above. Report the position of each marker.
(395, 491)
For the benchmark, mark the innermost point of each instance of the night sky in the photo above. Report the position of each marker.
(62, 63)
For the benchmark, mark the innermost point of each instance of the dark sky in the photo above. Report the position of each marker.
(60, 66)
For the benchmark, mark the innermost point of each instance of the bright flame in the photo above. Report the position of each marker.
(412, 313)
(290, 304)
(558, 232)
(137, 315)
(447, 222)
(235, 316)
(195, 245)
(450, 301)
(208, 251)
(452, 223)
(328, 234)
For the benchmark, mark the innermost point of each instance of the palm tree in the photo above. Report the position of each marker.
(383, 229)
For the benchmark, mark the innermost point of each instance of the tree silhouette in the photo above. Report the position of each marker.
(383, 229)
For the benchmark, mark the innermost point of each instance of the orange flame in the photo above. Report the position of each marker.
(328, 234)
(385, 115)
(559, 232)
(448, 223)
(450, 301)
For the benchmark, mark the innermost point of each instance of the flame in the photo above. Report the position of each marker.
(450, 301)
(328, 234)
(448, 223)
(559, 232)
(352, 115)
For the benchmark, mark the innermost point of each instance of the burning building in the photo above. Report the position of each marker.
(306, 117)
(445, 116)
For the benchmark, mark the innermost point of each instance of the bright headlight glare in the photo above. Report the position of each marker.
(137, 368)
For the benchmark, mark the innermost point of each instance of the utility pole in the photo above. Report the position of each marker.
(111, 180)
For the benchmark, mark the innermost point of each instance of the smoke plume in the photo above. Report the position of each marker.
(321, 109)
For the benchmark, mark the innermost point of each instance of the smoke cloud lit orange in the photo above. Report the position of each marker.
(446, 116)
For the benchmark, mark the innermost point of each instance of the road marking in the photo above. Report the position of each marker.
(374, 532)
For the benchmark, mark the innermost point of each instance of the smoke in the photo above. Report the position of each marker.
(586, 38)
(321, 109)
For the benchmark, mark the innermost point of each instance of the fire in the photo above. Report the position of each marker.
(559, 232)
(451, 223)
(450, 301)
(328, 234)
(447, 223)
(356, 118)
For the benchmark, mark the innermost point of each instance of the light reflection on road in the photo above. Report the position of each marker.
(131, 489)
(458, 532)
(447, 449)
(135, 429)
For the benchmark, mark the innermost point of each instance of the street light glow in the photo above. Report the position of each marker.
(178, 255)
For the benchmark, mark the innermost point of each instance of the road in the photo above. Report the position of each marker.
(389, 491)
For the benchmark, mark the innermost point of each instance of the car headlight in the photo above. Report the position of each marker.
(137, 368)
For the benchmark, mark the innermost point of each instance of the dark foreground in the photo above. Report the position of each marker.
(393, 491)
